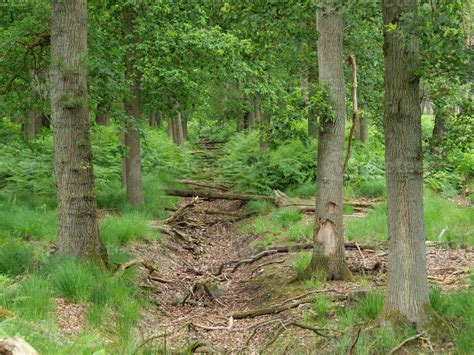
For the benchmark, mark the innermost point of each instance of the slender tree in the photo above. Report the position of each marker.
(132, 159)
(407, 288)
(328, 258)
(78, 233)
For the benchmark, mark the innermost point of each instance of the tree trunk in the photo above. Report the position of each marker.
(171, 128)
(328, 258)
(406, 295)
(35, 117)
(34, 124)
(179, 126)
(184, 121)
(134, 185)
(78, 233)
(439, 131)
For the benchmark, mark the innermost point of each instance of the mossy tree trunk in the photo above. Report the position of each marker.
(328, 258)
(406, 295)
(78, 233)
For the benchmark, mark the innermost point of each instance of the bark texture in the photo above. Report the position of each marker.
(78, 233)
(132, 105)
(406, 294)
(328, 258)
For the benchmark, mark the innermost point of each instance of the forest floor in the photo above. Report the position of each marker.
(207, 278)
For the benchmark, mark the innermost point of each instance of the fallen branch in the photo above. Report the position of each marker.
(407, 340)
(208, 184)
(269, 310)
(213, 195)
(307, 327)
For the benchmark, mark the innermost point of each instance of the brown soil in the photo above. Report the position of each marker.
(187, 313)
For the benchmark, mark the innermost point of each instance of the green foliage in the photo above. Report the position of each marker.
(259, 207)
(301, 263)
(33, 300)
(458, 310)
(372, 188)
(124, 228)
(16, 258)
(256, 171)
(286, 217)
(322, 306)
(439, 214)
(369, 307)
(320, 103)
(24, 222)
(299, 232)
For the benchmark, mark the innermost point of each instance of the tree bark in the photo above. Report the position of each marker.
(328, 258)
(439, 131)
(406, 295)
(78, 233)
(134, 185)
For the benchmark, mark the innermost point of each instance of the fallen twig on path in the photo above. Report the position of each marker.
(407, 340)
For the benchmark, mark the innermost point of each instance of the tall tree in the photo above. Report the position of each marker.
(407, 288)
(328, 258)
(78, 233)
(132, 159)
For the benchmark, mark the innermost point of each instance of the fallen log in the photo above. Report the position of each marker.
(213, 195)
(208, 184)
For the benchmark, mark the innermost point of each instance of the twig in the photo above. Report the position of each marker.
(361, 254)
(307, 327)
(354, 343)
(407, 340)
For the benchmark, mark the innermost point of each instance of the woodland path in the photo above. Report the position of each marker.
(201, 295)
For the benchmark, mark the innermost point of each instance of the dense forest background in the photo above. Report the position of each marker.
(228, 97)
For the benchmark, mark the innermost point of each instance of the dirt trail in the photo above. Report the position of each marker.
(195, 302)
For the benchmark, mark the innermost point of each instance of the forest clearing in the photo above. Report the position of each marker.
(236, 177)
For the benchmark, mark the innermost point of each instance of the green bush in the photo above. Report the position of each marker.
(261, 171)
